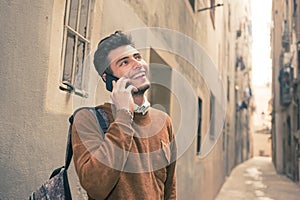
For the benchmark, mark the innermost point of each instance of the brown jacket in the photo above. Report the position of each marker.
(132, 161)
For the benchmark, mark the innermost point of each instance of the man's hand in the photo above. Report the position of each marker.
(121, 94)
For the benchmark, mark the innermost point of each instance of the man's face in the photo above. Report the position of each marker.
(126, 61)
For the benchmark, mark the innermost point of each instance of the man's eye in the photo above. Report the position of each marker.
(138, 57)
(125, 62)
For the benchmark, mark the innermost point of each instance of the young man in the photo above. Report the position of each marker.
(135, 158)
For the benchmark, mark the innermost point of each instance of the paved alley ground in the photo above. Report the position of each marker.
(256, 179)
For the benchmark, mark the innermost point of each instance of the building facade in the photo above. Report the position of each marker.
(47, 72)
(285, 91)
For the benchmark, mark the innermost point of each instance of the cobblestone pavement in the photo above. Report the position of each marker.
(256, 179)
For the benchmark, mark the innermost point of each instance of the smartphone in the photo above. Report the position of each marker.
(109, 79)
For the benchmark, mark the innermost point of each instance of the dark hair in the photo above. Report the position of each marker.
(106, 45)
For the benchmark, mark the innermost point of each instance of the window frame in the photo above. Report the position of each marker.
(65, 85)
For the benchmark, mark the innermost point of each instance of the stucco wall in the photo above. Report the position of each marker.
(32, 141)
(34, 111)
(33, 137)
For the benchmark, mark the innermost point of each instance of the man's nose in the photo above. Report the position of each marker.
(136, 64)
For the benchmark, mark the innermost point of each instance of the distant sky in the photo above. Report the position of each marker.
(261, 24)
(261, 61)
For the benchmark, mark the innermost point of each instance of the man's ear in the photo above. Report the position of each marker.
(104, 77)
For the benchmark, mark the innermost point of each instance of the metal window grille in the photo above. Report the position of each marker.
(76, 45)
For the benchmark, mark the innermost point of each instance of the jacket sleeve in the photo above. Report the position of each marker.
(98, 161)
(170, 184)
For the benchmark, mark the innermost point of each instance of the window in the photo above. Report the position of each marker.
(298, 55)
(225, 138)
(199, 126)
(228, 89)
(298, 113)
(285, 81)
(76, 45)
(289, 131)
(192, 3)
(295, 8)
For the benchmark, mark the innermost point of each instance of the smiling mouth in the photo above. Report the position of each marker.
(138, 75)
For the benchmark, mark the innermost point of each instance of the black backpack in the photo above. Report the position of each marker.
(57, 187)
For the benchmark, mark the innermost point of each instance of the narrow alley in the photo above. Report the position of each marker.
(257, 179)
(226, 74)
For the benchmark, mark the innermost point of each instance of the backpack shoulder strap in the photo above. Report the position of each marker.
(102, 120)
